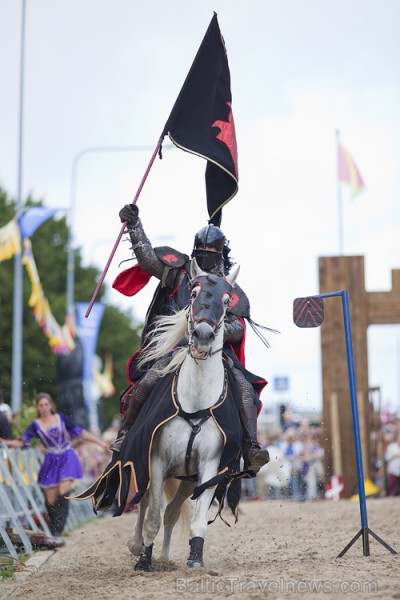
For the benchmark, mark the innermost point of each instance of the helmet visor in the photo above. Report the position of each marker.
(207, 260)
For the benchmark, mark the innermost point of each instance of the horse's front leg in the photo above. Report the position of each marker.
(173, 512)
(152, 519)
(136, 542)
(198, 525)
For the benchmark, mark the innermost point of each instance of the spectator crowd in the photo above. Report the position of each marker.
(296, 470)
(296, 467)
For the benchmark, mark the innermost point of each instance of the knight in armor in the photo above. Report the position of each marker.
(211, 251)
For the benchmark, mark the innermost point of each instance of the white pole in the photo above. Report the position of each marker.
(339, 198)
(16, 369)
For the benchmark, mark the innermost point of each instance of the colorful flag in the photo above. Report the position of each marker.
(33, 217)
(88, 331)
(348, 171)
(201, 121)
(60, 337)
(10, 240)
(103, 379)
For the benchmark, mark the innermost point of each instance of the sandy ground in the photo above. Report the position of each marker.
(278, 549)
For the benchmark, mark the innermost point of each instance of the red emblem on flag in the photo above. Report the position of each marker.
(227, 135)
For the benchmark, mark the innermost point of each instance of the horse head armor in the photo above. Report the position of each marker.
(210, 295)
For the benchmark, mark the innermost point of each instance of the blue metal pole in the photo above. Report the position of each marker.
(364, 531)
(354, 408)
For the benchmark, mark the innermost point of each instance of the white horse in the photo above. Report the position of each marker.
(191, 447)
(189, 444)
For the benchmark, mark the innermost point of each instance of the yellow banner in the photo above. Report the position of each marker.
(61, 339)
(10, 240)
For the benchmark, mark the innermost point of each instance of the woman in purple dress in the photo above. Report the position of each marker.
(61, 464)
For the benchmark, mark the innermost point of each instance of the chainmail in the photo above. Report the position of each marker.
(147, 259)
(244, 388)
(148, 381)
(233, 329)
(142, 389)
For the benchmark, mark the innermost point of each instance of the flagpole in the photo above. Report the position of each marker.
(121, 233)
(339, 197)
(16, 367)
(211, 59)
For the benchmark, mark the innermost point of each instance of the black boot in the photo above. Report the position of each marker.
(55, 541)
(58, 513)
(52, 512)
(254, 455)
(63, 512)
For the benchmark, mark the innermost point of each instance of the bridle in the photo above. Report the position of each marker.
(210, 308)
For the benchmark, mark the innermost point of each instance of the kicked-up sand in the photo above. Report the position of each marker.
(278, 549)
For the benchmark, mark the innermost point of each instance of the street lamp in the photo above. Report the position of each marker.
(74, 182)
(89, 398)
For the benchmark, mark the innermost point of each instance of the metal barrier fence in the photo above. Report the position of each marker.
(22, 500)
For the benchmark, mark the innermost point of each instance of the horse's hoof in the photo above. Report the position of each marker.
(143, 565)
(195, 560)
(134, 548)
(195, 564)
(144, 562)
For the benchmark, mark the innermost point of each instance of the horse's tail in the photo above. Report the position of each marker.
(170, 489)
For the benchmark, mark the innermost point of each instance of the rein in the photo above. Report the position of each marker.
(211, 352)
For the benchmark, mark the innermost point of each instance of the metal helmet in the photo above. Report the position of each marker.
(208, 249)
(211, 236)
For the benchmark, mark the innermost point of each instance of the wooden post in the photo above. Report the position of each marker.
(364, 416)
(366, 308)
(337, 464)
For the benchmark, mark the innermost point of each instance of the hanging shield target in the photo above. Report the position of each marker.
(308, 312)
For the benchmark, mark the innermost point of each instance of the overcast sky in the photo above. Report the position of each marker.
(105, 74)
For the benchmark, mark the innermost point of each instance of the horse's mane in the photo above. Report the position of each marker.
(166, 335)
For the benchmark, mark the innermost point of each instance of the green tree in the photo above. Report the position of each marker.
(119, 335)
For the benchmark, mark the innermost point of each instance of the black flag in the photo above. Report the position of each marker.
(201, 121)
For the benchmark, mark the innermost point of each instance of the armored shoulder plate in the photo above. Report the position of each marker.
(239, 304)
(171, 257)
